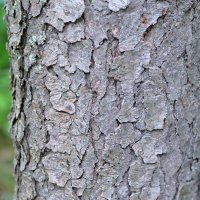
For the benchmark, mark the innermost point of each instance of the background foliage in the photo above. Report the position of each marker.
(6, 149)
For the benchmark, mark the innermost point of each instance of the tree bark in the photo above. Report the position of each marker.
(105, 99)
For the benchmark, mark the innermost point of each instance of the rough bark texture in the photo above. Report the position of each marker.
(105, 99)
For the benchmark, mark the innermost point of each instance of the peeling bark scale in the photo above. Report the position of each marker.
(106, 99)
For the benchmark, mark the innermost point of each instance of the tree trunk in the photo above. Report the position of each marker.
(105, 99)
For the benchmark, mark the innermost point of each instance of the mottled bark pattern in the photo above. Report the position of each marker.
(105, 99)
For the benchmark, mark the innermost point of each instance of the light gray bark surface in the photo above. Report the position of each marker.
(105, 99)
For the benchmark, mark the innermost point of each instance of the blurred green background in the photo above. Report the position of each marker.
(6, 147)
